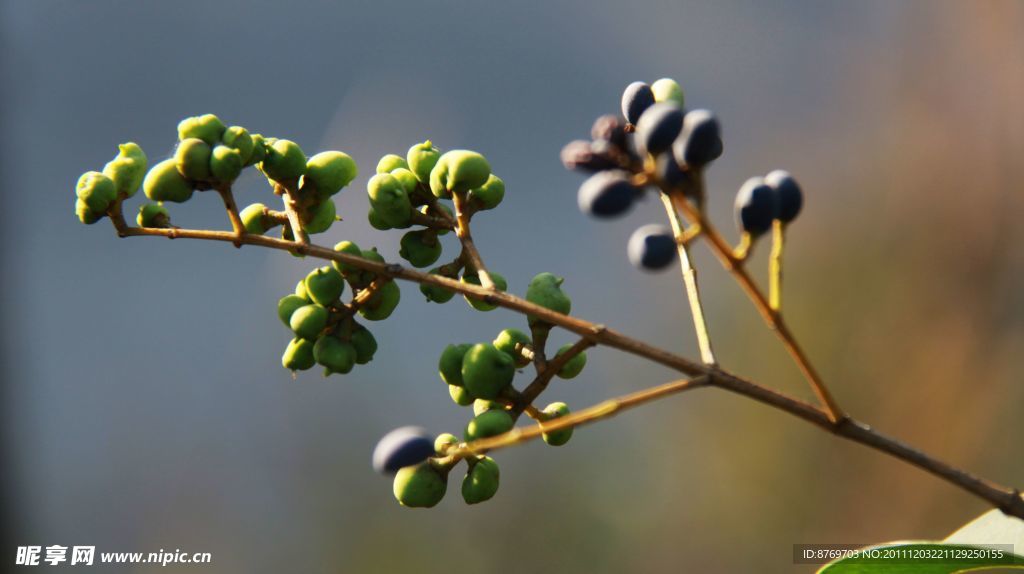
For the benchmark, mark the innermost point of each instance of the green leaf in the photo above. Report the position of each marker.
(912, 558)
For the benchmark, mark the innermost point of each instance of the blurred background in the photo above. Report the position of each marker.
(144, 404)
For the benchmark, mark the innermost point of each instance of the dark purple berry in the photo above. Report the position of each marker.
(607, 194)
(789, 199)
(635, 100)
(701, 142)
(755, 207)
(658, 127)
(402, 447)
(582, 155)
(609, 128)
(652, 247)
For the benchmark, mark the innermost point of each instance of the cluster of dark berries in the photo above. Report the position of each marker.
(478, 375)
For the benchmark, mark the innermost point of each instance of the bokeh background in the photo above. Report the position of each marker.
(144, 405)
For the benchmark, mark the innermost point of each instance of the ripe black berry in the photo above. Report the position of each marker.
(652, 247)
(755, 207)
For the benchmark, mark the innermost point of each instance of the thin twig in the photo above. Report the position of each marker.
(291, 207)
(690, 280)
(469, 249)
(229, 204)
(1006, 499)
(544, 376)
(775, 266)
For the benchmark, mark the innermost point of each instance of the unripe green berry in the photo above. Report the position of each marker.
(320, 217)
(481, 481)
(324, 286)
(164, 183)
(473, 279)
(298, 356)
(405, 177)
(365, 344)
(336, 356)
(489, 195)
(152, 215)
(349, 248)
(481, 406)
(383, 302)
(460, 395)
(284, 161)
(486, 371)
(558, 437)
(421, 486)
(546, 290)
(422, 158)
(128, 169)
(574, 366)
(287, 305)
(489, 423)
(192, 158)
(329, 171)
(458, 171)
(225, 163)
(668, 90)
(238, 137)
(259, 150)
(308, 321)
(254, 219)
(420, 248)
(450, 364)
(389, 199)
(444, 441)
(390, 162)
(506, 342)
(436, 293)
(86, 215)
(300, 289)
(96, 191)
(375, 221)
(207, 127)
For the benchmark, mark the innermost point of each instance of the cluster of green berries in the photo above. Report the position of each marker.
(479, 375)
(412, 192)
(326, 330)
(97, 191)
(657, 135)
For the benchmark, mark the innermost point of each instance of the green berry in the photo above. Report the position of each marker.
(259, 150)
(436, 293)
(127, 169)
(422, 158)
(287, 305)
(409, 182)
(298, 356)
(575, 365)
(506, 342)
(225, 163)
(481, 481)
(308, 321)
(336, 356)
(444, 441)
(284, 161)
(668, 90)
(546, 290)
(460, 395)
(192, 158)
(481, 406)
(329, 171)
(458, 171)
(320, 217)
(348, 248)
(473, 279)
(165, 183)
(420, 248)
(558, 437)
(238, 137)
(300, 289)
(152, 215)
(383, 302)
(86, 215)
(254, 219)
(489, 195)
(450, 364)
(365, 344)
(207, 127)
(421, 486)
(391, 162)
(486, 371)
(489, 423)
(96, 191)
(375, 221)
(324, 286)
(389, 199)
